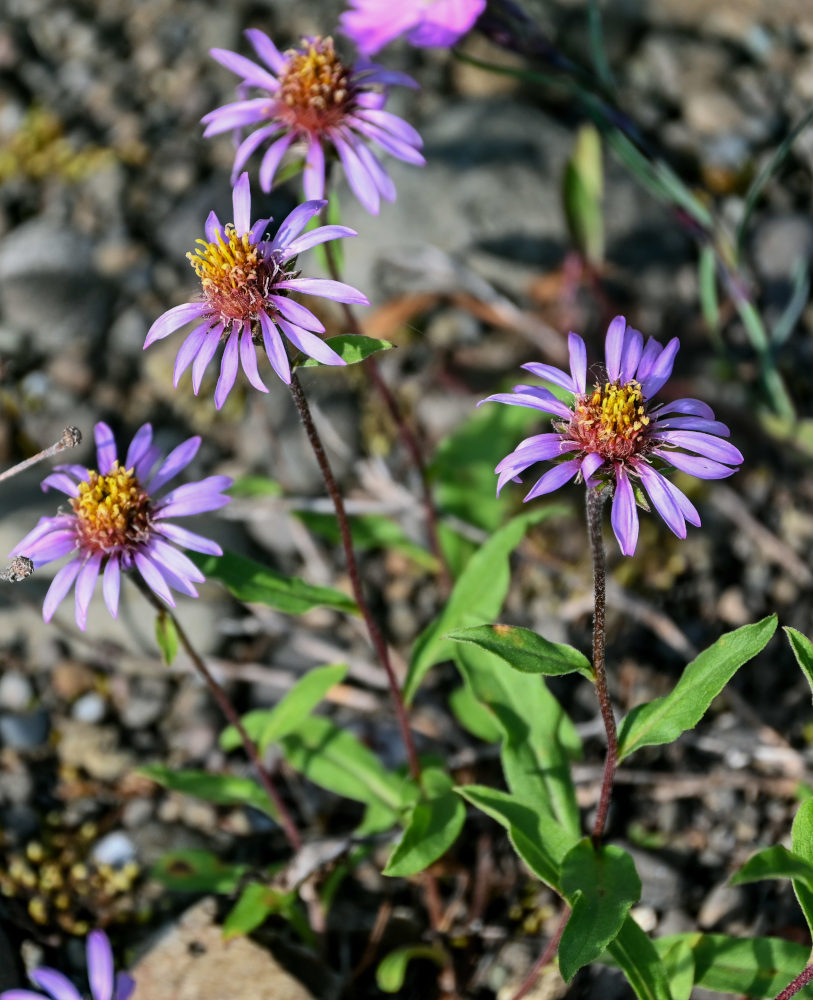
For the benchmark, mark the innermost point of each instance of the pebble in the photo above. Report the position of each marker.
(16, 691)
(115, 849)
(90, 707)
(25, 730)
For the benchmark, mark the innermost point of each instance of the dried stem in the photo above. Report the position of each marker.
(407, 434)
(71, 437)
(545, 958)
(286, 822)
(373, 630)
(804, 977)
(595, 502)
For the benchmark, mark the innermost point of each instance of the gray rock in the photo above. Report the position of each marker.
(25, 730)
(91, 707)
(16, 691)
(116, 849)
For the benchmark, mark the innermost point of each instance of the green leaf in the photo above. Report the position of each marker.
(775, 862)
(601, 886)
(197, 871)
(334, 759)
(477, 596)
(536, 836)
(539, 738)
(802, 842)
(391, 970)
(582, 190)
(166, 635)
(267, 726)
(256, 903)
(707, 281)
(252, 582)
(803, 651)
(351, 348)
(751, 967)
(254, 486)
(433, 827)
(370, 531)
(678, 961)
(473, 715)
(222, 789)
(664, 719)
(634, 953)
(526, 651)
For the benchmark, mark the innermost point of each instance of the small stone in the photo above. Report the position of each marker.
(69, 680)
(115, 849)
(90, 707)
(15, 691)
(25, 730)
(722, 903)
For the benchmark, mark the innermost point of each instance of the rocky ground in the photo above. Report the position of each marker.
(106, 182)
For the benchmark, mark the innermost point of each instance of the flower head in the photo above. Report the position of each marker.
(372, 24)
(313, 100)
(104, 983)
(246, 282)
(116, 523)
(612, 434)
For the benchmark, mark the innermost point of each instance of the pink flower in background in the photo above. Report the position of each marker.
(246, 281)
(372, 24)
(311, 100)
(117, 524)
(612, 434)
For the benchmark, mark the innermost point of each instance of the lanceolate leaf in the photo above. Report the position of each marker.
(473, 715)
(255, 904)
(678, 961)
(351, 348)
(477, 597)
(634, 953)
(391, 971)
(526, 651)
(601, 886)
(267, 726)
(222, 789)
(197, 871)
(433, 827)
(166, 635)
(250, 581)
(803, 651)
(663, 720)
(802, 841)
(776, 862)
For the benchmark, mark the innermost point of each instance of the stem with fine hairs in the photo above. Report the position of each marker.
(289, 828)
(804, 977)
(545, 958)
(373, 630)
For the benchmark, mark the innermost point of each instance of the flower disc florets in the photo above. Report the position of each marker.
(613, 435)
(316, 86)
(112, 511)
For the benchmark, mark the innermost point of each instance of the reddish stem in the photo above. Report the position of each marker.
(545, 958)
(804, 977)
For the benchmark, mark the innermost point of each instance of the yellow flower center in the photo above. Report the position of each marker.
(234, 274)
(315, 89)
(112, 511)
(611, 420)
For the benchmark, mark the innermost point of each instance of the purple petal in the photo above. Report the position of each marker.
(293, 224)
(62, 482)
(85, 582)
(633, 347)
(241, 205)
(236, 115)
(539, 448)
(361, 183)
(60, 585)
(338, 291)
(296, 313)
(313, 176)
(656, 487)
(396, 126)
(554, 478)
(175, 560)
(650, 354)
(578, 361)
(551, 374)
(142, 439)
(153, 578)
(661, 369)
(684, 504)
(540, 399)
(21, 995)
(194, 498)
(371, 32)
(52, 546)
(179, 583)
(188, 539)
(173, 320)
(703, 444)
(248, 146)
(703, 468)
(42, 529)
(373, 73)
(266, 50)
(206, 352)
(125, 986)
(228, 367)
(614, 346)
(111, 585)
(189, 348)
(245, 68)
(272, 158)
(175, 462)
(379, 176)
(400, 150)
(100, 966)
(212, 227)
(624, 514)
(716, 427)
(590, 465)
(105, 447)
(248, 359)
(275, 349)
(315, 237)
(691, 406)
(59, 986)
(310, 344)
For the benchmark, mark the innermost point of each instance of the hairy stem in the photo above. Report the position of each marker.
(804, 977)
(408, 437)
(373, 630)
(545, 958)
(289, 828)
(595, 502)
(71, 437)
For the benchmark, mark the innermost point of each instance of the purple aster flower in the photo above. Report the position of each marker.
(612, 434)
(104, 983)
(116, 523)
(372, 24)
(312, 101)
(246, 282)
